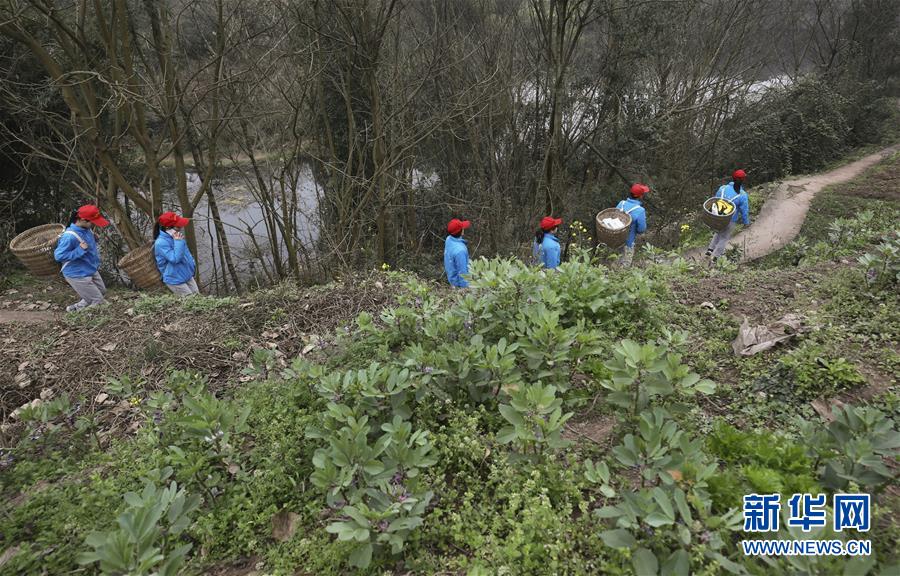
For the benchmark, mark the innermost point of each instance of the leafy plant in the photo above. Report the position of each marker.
(201, 435)
(882, 266)
(853, 447)
(658, 448)
(370, 465)
(641, 372)
(148, 538)
(812, 374)
(372, 484)
(759, 462)
(661, 522)
(535, 419)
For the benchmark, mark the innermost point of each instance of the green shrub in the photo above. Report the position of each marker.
(148, 538)
(756, 462)
(812, 374)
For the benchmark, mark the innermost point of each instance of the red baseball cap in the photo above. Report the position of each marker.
(172, 220)
(92, 214)
(456, 226)
(549, 223)
(738, 174)
(638, 190)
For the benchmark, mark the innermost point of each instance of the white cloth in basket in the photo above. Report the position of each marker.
(612, 223)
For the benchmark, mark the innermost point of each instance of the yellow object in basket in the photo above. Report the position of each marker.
(722, 207)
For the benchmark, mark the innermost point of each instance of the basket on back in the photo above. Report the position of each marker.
(34, 248)
(717, 222)
(140, 265)
(613, 238)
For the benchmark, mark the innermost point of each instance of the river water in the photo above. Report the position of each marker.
(242, 218)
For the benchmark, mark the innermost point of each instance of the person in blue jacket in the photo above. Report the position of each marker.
(633, 207)
(734, 193)
(456, 253)
(77, 250)
(546, 245)
(173, 258)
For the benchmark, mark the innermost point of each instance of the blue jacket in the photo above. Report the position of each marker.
(548, 251)
(632, 207)
(173, 259)
(456, 261)
(741, 202)
(77, 262)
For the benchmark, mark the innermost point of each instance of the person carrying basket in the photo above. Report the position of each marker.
(734, 193)
(632, 206)
(77, 250)
(173, 257)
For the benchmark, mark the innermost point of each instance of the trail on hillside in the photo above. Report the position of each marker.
(26, 316)
(782, 215)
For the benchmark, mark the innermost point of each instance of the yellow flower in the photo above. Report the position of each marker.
(134, 401)
(385, 266)
(685, 227)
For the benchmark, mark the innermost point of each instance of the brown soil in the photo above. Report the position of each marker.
(597, 429)
(74, 354)
(761, 297)
(22, 317)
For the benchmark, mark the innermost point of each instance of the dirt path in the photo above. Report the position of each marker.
(26, 317)
(783, 214)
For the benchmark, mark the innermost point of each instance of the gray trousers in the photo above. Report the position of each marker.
(90, 288)
(189, 288)
(627, 257)
(719, 241)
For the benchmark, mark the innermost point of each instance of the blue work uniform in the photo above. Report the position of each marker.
(740, 200)
(174, 259)
(548, 251)
(456, 261)
(77, 262)
(633, 207)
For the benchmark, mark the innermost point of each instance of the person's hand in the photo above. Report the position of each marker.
(178, 235)
(84, 245)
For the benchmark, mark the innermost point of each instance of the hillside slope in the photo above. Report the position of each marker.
(387, 425)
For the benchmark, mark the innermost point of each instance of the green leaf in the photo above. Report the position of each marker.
(862, 565)
(618, 538)
(511, 415)
(678, 564)
(645, 562)
(683, 508)
(730, 566)
(506, 435)
(663, 500)
(657, 519)
(361, 556)
(705, 386)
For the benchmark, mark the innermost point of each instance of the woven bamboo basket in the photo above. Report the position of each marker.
(34, 248)
(613, 238)
(717, 222)
(140, 265)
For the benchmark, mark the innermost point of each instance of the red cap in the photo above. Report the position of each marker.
(92, 214)
(738, 174)
(548, 223)
(172, 220)
(638, 190)
(456, 226)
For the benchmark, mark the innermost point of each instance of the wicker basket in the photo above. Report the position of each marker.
(613, 238)
(717, 222)
(34, 248)
(140, 265)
